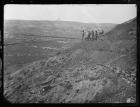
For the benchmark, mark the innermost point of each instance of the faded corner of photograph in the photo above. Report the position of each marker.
(70, 53)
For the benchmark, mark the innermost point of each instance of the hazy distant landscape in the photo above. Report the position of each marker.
(36, 32)
(42, 69)
(52, 28)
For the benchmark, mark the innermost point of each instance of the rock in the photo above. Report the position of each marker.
(130, 100)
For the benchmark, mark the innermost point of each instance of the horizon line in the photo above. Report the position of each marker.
(64, 21)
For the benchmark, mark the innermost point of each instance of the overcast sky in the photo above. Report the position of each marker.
(112, 13)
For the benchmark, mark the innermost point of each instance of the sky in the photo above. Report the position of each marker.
(88, 13)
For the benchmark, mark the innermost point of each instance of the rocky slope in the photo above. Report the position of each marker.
(102, 71)
(57, 81)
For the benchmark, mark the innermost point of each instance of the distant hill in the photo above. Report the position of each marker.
(52, 28)
(124, 31)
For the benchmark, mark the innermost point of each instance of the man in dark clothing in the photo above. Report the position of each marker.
(89, 33)
(96, 34)
(83, 34)
(92, 34)
(102, 31)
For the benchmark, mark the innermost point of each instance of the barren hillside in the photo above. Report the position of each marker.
(102, 71)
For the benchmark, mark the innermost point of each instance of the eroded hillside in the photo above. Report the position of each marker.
(102, 71)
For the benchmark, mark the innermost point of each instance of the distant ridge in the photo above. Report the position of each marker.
(51, 28)
(121, 31)
(59, 21)
(131, 20)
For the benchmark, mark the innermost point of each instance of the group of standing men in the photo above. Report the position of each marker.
(91, 35)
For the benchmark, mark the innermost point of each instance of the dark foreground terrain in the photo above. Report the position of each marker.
(72, 70)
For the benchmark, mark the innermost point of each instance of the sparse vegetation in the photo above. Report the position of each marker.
(102, 71)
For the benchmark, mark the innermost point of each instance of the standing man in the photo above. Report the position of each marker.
(96, 34)
(102, 31)
(89, 33)
(92, 34)
(83, 34)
